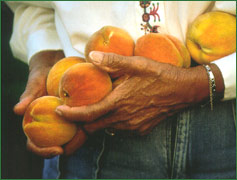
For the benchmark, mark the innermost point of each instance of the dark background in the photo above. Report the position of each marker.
(17, 162)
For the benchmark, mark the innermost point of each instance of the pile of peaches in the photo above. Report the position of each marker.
(75, 81)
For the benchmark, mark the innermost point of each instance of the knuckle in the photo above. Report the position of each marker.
(164, 111)
(108, 59)
(112, 60)
(88, 115)
(132, 125)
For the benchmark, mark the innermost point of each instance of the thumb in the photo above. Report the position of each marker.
(86, 113)
(115, 64)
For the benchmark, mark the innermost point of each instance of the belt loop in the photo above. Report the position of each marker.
(178, 168)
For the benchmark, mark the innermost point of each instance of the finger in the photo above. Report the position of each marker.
(77, 141)
(141, 126)
(35, 88)
(87, 113)
(120, 80)
(101, 123)
(147, 128)
(46, 152)
(138, 118)
(118, 120)
(132, 125)
(105, 121)
(117, 64)
(109, 62)
(21, 106)
(36, 85)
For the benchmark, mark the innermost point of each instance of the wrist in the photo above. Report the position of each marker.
(220, 87)
(45, 59)
(189, 85)
(198, 82)
(196, 85)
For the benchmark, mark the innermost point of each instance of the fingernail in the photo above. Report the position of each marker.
(58, 112)
(96, 56)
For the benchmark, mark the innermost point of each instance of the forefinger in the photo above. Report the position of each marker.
(46, 152)
(88, 113)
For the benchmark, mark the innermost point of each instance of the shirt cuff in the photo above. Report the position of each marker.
(227, 66)
(42, 40)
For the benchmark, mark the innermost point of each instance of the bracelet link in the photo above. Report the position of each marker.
(212, 84)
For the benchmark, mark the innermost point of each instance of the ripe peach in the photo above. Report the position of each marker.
(110, 39)
(182, 50)
(163, 48)
(84, 84)
(56, 73)
(43, 126)
(212, 36)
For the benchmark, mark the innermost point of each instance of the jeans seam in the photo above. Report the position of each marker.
(58, 168)
(98, 159)
(181, 143)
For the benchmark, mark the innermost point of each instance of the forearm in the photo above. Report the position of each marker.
(45, 59)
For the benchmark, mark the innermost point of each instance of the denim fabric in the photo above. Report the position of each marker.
(51, 168)
(83, 164)
(204, 146)
(212, 143)
(179, 162)
(138, 157)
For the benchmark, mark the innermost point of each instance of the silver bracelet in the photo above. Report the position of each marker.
(212, 84)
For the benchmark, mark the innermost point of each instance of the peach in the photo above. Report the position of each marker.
(110, 39)
(211, 36)
(57, 71)
(43, 126)
(182, 50)
(84, 84)
(163, 48)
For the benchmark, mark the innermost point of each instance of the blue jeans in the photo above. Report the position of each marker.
(197, 143)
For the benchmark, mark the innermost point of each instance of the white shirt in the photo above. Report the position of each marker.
(67, 25)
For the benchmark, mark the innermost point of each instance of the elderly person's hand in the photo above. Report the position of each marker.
(152, 92)
(48, 152)
(39, 66)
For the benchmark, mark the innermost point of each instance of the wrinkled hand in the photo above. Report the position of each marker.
(152, 92)
(48, 152)
(39, 66)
